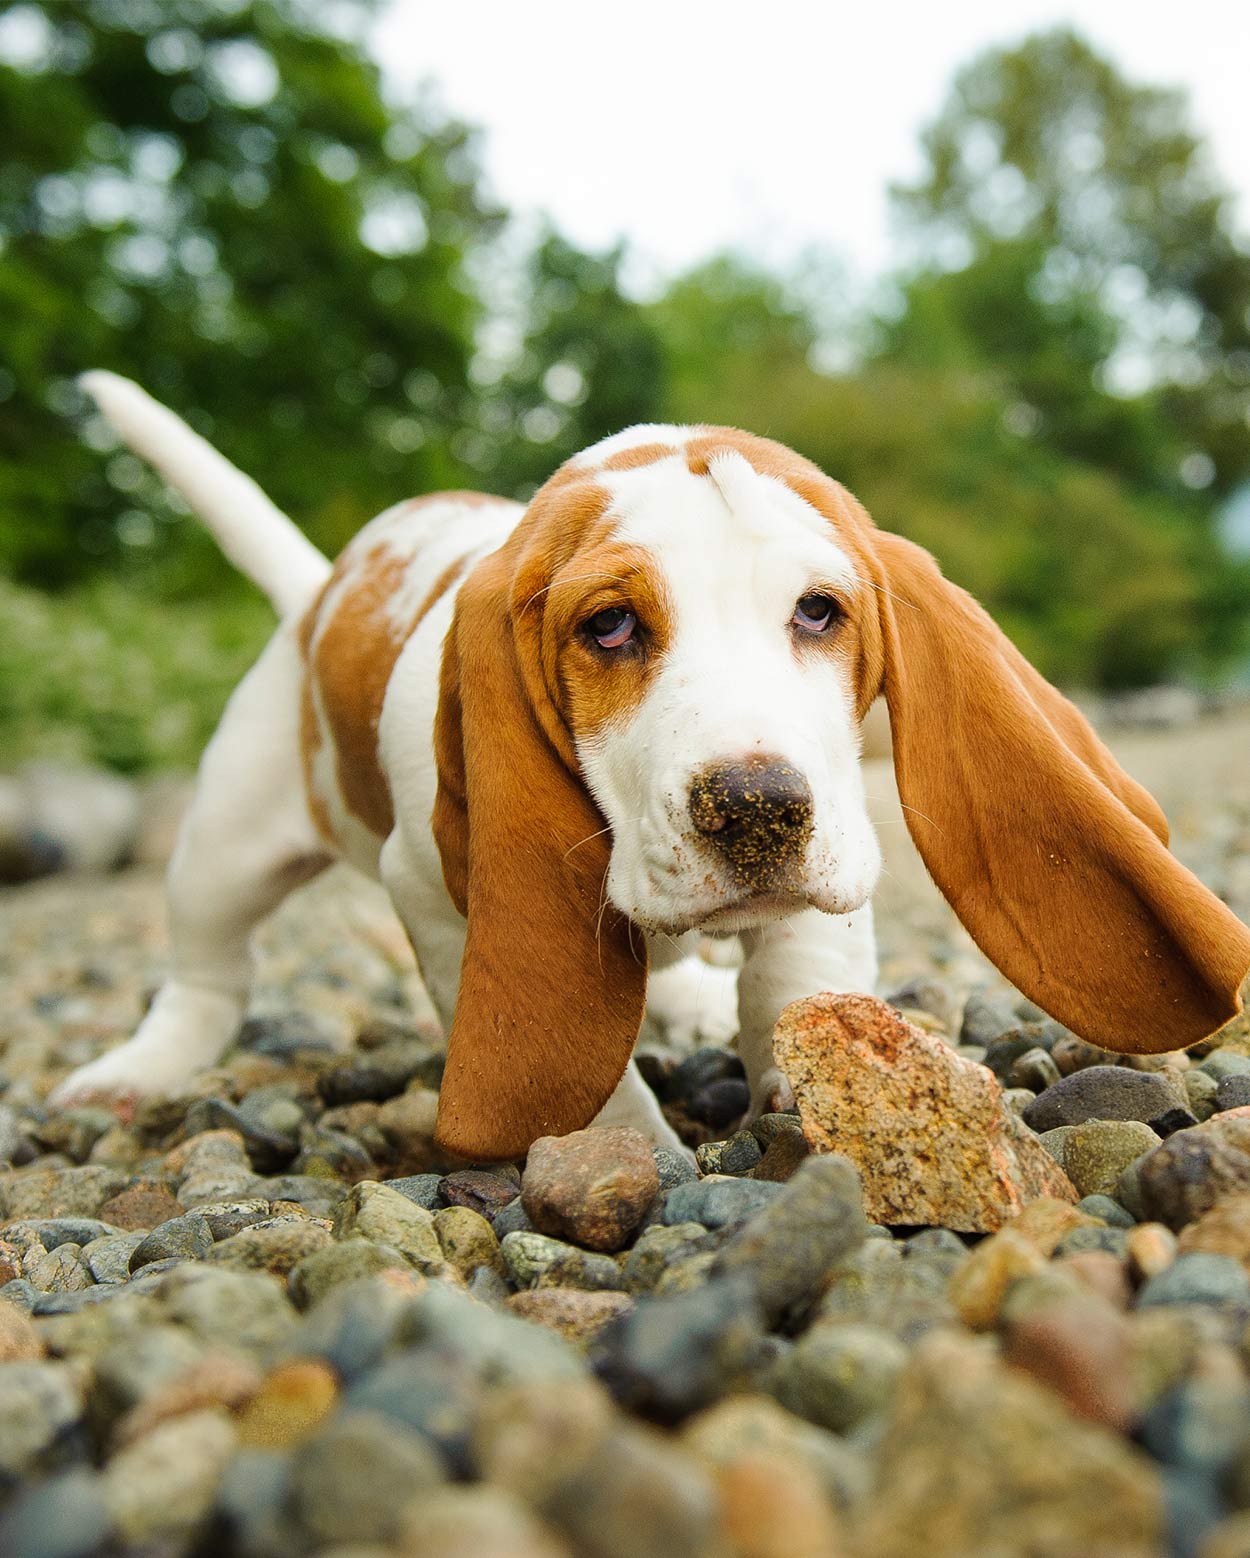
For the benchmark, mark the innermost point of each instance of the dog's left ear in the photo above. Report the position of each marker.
(552, 986)
(1053, 858)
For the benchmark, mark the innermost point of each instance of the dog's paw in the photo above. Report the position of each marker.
(694, 1002)
(772, 1094)
(119, 1081)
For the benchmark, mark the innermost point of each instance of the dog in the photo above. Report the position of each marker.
(572, 736)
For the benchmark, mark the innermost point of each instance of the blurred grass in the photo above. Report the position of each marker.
(105, 674)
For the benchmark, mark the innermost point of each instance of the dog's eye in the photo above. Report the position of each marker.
(611, 628)
(816, 613)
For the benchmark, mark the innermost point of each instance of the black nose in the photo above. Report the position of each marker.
(757, 813)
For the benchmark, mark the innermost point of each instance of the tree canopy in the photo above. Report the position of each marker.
(220, 199)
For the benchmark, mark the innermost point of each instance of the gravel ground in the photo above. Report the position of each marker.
(267, 1319)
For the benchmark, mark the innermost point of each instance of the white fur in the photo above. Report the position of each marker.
(736, 551)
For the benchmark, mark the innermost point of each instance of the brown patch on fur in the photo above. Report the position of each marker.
(641, 454)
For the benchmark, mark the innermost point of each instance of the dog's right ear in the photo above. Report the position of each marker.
(552, 986)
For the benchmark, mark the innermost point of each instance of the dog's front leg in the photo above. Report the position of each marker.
(785, 961)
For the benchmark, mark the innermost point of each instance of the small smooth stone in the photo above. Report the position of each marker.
(573, 1313)
(235, 1309)
(718, 1203)
(1198, 1279)
(512, 1219)
(1113, 1240)
(374, 1075)
(61, 1271)
(1107, 1210)
(468, 1241)
(1151, 1249)
(472, 1522)
(1224, 1230)
(1171, 1121)
(1046, 1221)
(676, 1352)
(39, 1402)
(436, 1394)
(1096, 1152)
(535, 1260)
(479, 1190)
(1201, 1088)
(291, 1404)
(657, 1248)
(1072, 1054)
(1233, 1092)
(162, 1485)
(1187, 1174)
(786, 1249)
(1079, 1348)
(63, 1517)
(1105, 1093)
(986, 1018)
(183, 1238)
(1102, 1273)
(277, 1248)
(1035, 1069)
(1224, 1063)
(423, 1189)
(592, 1187)
(1054, 1141)
(373, 1211)
(840, 1376)
(59, 1192)
(979, 1286)
(738, 1155)
(1018, 1099)
(325, 1269)
(226, 1218)
(108, 1260)
(934, 1241)
(720, 1103)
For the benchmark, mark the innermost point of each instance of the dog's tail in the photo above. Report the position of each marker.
(257, 537)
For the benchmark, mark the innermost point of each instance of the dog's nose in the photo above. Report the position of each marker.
(757, 813)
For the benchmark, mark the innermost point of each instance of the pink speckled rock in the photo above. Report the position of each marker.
(928, 1130)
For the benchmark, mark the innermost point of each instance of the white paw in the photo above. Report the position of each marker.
(693, 1002)
(117, 1080)
(772, 1094)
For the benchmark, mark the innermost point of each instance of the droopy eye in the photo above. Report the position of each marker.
(612, 627)
(816, 613)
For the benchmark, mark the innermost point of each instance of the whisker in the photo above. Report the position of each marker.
(881, 589)
(586, 840)
(613, 578)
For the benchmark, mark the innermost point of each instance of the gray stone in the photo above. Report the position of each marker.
(53, 1231)
(986, 1018)
(374, 1211)
(354, 1479)
(1199, 1279)
(1108, 1210)
(876, 1286)
(160, 1486)
(1200, 1088)
(1222, 1063)
(738, 1155)
(673, 1168)
(923, 993)
(674, 1353)
(1113, 1240)
(241, 1309)
(840, 1376)
(787, 1248)
(656, 1249)
(425, 1390)
(1105, 1093)
(1233, 1092)
(108, 1259)
(352, 1327)
(185, 1238)
(318, 1273)
(534, 1260)
(61, 1271)
(513, 1218)
(64, 1517)
(422, 1189)
(40, 1403)
(1034, 1070)
(252, 1514)
(495, 1345)
(718, 1203)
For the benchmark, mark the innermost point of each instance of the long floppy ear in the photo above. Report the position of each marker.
(551, 988)
(1053, 858)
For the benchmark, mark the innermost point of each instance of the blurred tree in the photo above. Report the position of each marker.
(1074, 234)
(216, 198)
(591, 362)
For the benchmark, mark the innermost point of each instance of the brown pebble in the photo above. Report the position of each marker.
(19, 1340)
(1224, 1230)
(592, 1187)
(1072, 1054)
(293, 1400)
(578, 1316)
(1102, 1272)
(10, 1262)
(1081, 1350)
(1042, 1223)
(221, 1379)
(1151, 1249)
(774, 1507)
(782, 1156)
(142, 1206)
(980, 1284)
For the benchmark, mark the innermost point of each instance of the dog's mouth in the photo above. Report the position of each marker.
(752, 909)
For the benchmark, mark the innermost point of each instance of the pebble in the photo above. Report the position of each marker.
(236, 1309)
(840, 1376)
(1224, 1230)
(422, 1189)
(592, 1187)
(40, 1403)
(162, 1485)
(657, 1248)
(980, 1285)
(927, 1130)
(276, 1247)
(1151, 1248)
(19, 1340)
(479, 1190)
(1217, 1280)
(672, 1168)
(428, 1393)
(674, 1353)
(1034, 1070)
(1192, 1170)
(717, 1203)
(1080, 1348)
(535, 1260)
(1096, 1153)
(374, 1211)
(788, 1247)
(375, 1074)
(1200, 1089)
(1105, 1093)
(187, 1238)
(738, 1155)
(577, 1315)
(290, 1404)
(986, 1017)
(325, 1269)
(475, 1522)
(1107, 1209)
(1233, 1092)
(63, 1517)
(144, 1205)
(467, 1240)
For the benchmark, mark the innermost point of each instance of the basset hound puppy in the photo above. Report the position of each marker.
(570, 735)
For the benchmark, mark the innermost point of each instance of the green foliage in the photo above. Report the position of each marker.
(217, 198)
(107, 674)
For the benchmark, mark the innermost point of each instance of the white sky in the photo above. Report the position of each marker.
(688, 126)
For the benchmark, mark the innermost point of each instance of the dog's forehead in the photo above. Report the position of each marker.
(724, 514)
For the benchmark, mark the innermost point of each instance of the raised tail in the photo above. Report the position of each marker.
(257, 537)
